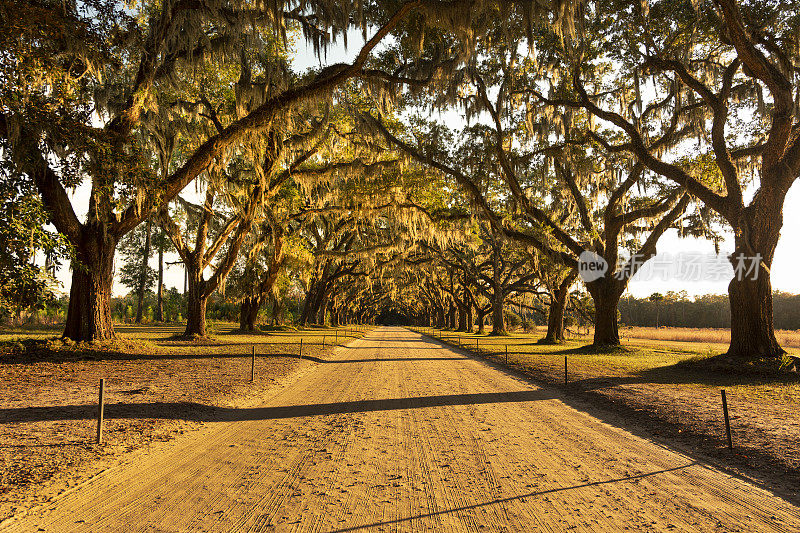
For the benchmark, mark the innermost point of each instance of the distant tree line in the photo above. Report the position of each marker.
(708, 311)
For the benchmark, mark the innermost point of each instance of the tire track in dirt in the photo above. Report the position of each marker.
(400, 433)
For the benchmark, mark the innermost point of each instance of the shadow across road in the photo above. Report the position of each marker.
(374, 360)
(207, 413)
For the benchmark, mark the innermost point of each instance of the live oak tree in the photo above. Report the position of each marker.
(263, 262)
(561, 235)
(80, 78)
(727, 71)
(485, 266)
(556, 282)
(213, 235)
(511, 274)
(568, 190)
(271, 243)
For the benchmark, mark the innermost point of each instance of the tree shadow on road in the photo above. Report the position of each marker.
(207, 413)
(684, 373)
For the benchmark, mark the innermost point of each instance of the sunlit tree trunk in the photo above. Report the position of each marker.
(89, 311)
(558, 306)
(498, 298)
(750, 290)
(606, 293)
(196, 299)
(277, 311)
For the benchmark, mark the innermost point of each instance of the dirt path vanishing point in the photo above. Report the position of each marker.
(398, 433)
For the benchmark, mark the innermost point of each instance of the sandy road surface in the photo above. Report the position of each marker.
(398, 433)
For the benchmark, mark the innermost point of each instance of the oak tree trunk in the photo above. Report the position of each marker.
(498, 319)
(481, 322)
(750, 290)
(248, 313)
(441, 318)
(197, 300)
(277, 311)
(498, 298)
(555, 319)
(606, 294)
(89, 311)
(309, 305)
(558, 306)
(322, 310)
(462, 318)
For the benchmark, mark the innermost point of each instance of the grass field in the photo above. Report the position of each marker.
(692, 338)
(786, 338)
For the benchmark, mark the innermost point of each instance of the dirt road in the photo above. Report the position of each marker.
(398, 433)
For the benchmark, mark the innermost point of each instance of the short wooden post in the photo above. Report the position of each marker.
(566, 380)
(253, 365)
(727, 419)
(301, 347)
(506, 353)
(323, 340)
(337, 336)
(477, 347)
(100, 403)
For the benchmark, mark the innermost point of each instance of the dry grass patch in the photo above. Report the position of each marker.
(155, 388)
(787, 338)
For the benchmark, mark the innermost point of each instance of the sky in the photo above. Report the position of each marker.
(683, 264)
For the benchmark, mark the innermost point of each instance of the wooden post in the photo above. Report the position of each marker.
(476, 345)
(565, 370)
(100, 403)
(337, 336)
(323, 340)
(301, 347)
(506, 353)
(727, 419)
(253, 366)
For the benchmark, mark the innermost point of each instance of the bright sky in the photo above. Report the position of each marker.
(659, 275)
